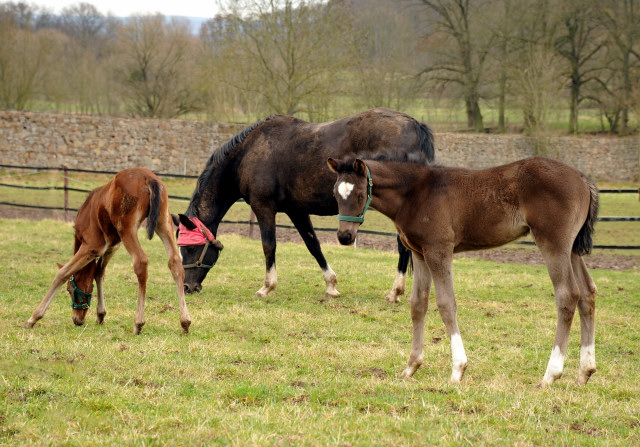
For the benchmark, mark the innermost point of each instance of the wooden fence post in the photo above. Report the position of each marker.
(66, 193)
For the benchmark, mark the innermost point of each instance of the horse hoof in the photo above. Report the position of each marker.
(100, 319)
(137, 329)
(393, 299)
(332, 294)
(185, 326)
(28, 325)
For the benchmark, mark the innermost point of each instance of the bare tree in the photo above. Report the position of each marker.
(287, 53)
(460, 46)
(155, 66)
(25, 55)
(384, 63)
(579, 42)
(621, 20)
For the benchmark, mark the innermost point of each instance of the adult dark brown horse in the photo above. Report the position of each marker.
(440, 211)
(111, 214)
(276, 165)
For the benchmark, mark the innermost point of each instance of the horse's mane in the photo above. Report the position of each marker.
(217, 157)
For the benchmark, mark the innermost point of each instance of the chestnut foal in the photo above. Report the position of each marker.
(439, 211)
(112, 214)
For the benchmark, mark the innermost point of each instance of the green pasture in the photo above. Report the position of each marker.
(297, 368)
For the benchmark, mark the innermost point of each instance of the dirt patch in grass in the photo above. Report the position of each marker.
(600, 259)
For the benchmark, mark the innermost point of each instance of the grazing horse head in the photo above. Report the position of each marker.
(199, 250)
(80, 288)
(352, 191)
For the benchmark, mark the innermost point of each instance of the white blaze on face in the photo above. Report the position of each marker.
(344, 189)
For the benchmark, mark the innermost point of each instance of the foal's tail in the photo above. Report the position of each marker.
(584, 241)
(155, 196)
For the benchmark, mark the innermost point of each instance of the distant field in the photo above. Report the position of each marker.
(297, 368)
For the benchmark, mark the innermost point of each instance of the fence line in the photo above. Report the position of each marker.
(67, 209)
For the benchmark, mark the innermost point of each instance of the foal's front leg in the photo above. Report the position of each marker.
(82, 257)
(440, 264)
(101, 309)
(419, 304)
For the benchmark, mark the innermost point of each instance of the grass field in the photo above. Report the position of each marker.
(297, 368)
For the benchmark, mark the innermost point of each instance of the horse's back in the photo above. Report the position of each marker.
(284, 159)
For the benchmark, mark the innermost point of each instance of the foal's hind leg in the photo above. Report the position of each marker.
(164, 230)
(82, 257)
(101, 309)
(586, 307)
(567, 295)
(303, 224)
(419, 304)
(399, 284)
(267, 221)
(140, 263)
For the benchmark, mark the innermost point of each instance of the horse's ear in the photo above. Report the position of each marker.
(184, 220)
(59, 265)
(360, 167)
(175, 221)
(333, 165)
(217, 244)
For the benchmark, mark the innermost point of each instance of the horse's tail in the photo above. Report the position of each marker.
(425, 140)
(155, 196)
(584, 240)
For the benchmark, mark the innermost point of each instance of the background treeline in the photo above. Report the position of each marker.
(522, 61)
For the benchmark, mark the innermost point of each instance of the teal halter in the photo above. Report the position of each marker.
(76, 302)
(360, 218)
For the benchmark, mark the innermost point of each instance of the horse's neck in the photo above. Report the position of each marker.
(391, 184)
(84, 277)
(211, 212)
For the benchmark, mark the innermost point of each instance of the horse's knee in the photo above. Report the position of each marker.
(140, 266)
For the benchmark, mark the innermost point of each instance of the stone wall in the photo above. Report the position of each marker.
(109, 143)
(183, 146)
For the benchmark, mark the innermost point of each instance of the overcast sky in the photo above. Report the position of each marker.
(124, 8)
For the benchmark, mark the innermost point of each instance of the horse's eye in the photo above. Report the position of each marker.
(361, 197)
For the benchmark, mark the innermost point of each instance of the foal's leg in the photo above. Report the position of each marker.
(440, 264)
(399, 284)
(419, 304)
(101, 310)
(586, 307)
(82, 257)
(140, 263)
(267, 221)
(567, 295)
(164, 230)
(304, 226)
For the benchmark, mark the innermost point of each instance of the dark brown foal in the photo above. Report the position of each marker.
(440, 211)
(112, 214)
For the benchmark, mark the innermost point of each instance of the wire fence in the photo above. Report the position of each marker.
(66, 208)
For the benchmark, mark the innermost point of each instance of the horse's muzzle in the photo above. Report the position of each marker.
(192, 288)
(346, 237)
(77, 321)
